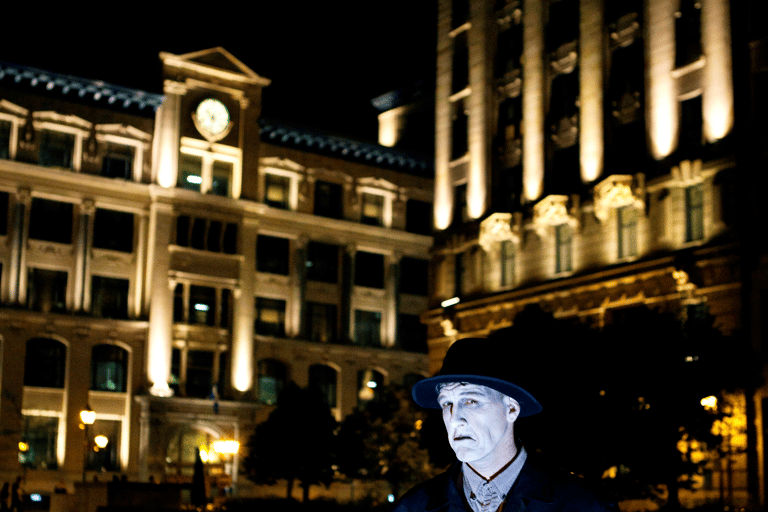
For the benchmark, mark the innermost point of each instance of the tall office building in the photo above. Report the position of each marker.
(587, 160)
(172, 261)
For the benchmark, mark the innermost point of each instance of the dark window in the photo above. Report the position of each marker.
(47, 290)
(190, 172)
(367, 328)
(222, 175)
(459, 12)
(508, 190)
(563, 26)
(565, 176)
(372, 210)
(199, 230)
(459, 136)
(50, 221)
(418, 217)
(199, 373)
(688, 33)
(510, 48)
(328, 200)
(565, 95)
(321, 322)
(40, 433)
(226, 307)
(178, 303)
(322, 262)
(183, 224)
(175, 370)
(273, 255)
(202, 305)
(411, 333)
(224, 379)
(118, 162)
(460, 70)
(4, 202)
(5, 139)
(45, 363)
(113, 230)
(109, 297)
(458, 277)
(460, 203)
(694, 213)
(270, 317)
(277, 191)
(322, 380)
(229, 242)
(691, 123)
(109, 368)
(414, 276)
(272, 378)
(510, 117)
(369, 385)
(56, 149)
(206, 235)
(369, 269)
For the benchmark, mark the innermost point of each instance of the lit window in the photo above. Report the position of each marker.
(563, 248)
(106, 458)
(369, 385)
(372, 209)
(507, 257)
(627, 221)
(56, 149)
(277, 191)
(270, 317)
(109, 368)
(367, 328)
(272, 378)
(40, 433)
(190, 172)
(203, 172)
(694, 210)
(222, 176)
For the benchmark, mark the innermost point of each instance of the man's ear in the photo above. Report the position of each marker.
(513, 408)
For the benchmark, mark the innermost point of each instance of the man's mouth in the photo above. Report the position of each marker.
(461, 438)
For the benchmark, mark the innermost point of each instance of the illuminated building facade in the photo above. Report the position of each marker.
(586, 160)
(173, 260)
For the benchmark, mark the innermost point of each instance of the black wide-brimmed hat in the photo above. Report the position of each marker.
(476, 361)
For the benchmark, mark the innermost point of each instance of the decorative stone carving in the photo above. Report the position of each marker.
(448, 328)
(688, 173)
(498, 228)
(624, 31)
(564, 59)
(615, 192)
(627, 109)
(565, 133)
(552, 211)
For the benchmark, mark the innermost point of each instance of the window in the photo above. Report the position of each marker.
(56, 149)
(691, 124)
(510, 48)
(694, 210)
(277, 191)
(202, 306)
(175, 380)
(563, 248)
(508, 189)
(199, 382)
(414, 276)
(459, 12)
(563, 26)
(272, 378)
(367, 328)
(322, 262)
(107, 458)
(50, 221)
(510, 117)
(40, 433)
(627, 222)
(190, 172)
(4, 200)
(418, 217)
(411, 333)
(459, 127)
(5, 139)
(321, 322)
(118, 162)
(369, 269)
(270, 317)
(205, 234)
(222, 175)
(369, 385)
(109, 368)
(372, 211)
(273, 255)
(47, 290)
(113, 230)
(460, 69)
(328, 200)
(109, 297)
(507, 258)
(322, 380)
(44, 363)
(460, 214)
(458, 274)
(688, 33)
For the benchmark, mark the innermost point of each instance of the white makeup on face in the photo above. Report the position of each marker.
(480, 425)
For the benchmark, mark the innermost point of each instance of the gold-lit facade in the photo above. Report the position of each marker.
(587, 160)
(172, 261)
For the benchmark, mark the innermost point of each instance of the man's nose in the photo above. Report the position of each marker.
(456, 415)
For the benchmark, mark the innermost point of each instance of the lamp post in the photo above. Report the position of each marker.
(87, 416)
(228, 448)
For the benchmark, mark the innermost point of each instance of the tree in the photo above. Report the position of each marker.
(380, 440)
(295, 443)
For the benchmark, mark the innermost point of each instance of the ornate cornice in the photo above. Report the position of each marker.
(616, 191)
(552, 211)
(499, 227)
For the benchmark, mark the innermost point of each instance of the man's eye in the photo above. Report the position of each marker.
(470, 401)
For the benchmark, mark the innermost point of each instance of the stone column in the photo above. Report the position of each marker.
(19, 245)
(165, 144)
(534, 81)
(392, 300)
(347, 292)
(662, 110)
(717, 94)
(297, 323)
(242, 325)
(591, 66)
(83, 256)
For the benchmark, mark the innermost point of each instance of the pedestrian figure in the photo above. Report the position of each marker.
(5, 494)
(17, 496)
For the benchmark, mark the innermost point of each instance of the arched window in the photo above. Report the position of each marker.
(322, 379)
(369, 385)
(181, 451)
(272, 376)
(45, 363)
(109, 368)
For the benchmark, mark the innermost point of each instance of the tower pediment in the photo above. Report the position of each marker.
(215, 62)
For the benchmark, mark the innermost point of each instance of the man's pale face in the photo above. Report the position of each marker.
(480, 424)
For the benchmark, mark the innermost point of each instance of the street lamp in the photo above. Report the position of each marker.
(87, 416)
(228, 448)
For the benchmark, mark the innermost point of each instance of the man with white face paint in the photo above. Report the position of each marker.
(494, 474)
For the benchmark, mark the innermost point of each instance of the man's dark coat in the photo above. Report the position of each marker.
(535, 490)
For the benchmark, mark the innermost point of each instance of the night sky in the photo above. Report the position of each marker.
(326, 59)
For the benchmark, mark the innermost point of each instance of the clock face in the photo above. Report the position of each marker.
(212, 118)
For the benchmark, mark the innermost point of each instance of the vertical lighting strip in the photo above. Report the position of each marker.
(717, 95)
(443, 182)
(662, 110)
(591, 89)
(533, 99)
